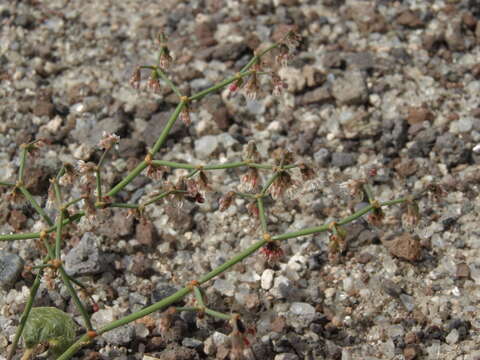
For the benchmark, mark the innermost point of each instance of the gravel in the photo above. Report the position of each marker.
(11, 265)
(371, 85)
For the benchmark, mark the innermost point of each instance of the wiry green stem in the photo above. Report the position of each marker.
(36, 235)
(76, 299)
(128, 179)
(261, 214)
(23, 157)
(166, 130)
(35, 205)
(26, 312)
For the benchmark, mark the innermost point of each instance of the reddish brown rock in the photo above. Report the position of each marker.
(405, 246)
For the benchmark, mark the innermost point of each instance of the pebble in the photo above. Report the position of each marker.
(351, 89)
(11, 266)
(405, 246)
(192, 343)
(463, 271)
(343, 160)
(282, 288)
(224, 287)
(85, 258)
(322, 157)
(304, 310)
(452, 337)
(267, 279)
(286, 356)
(206, 146)
(122, 335)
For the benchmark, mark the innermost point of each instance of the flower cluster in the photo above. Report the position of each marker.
(108, 141)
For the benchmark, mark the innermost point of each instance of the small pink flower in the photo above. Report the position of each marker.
(250, 180)
(272, 252)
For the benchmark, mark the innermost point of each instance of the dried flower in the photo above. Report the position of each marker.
(87, 169)
(15, 196)
(154, 82)
(185, 115)
(166, 320)
(272, 252)
(155, 172)
(283, 56)
(278, 84)
(281, 184)
(202, 182)
(352, 189)
(283, 157)
(436, 191)
(193, 191)
(226, 200)
(250, 180)
(376, 217)
(251, 88)
(136, 78)
(89, 207)
(108, 140)
(238, 339)
(292, 40)
(253, 210)
(34, 147)
(165, 58)
(50, 197)
(411, 216)
(68, 176)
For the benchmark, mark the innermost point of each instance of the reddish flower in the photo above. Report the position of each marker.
(250, 180)
(272, 251)
(236, 85)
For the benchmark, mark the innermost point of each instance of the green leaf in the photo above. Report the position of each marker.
(49, 325)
